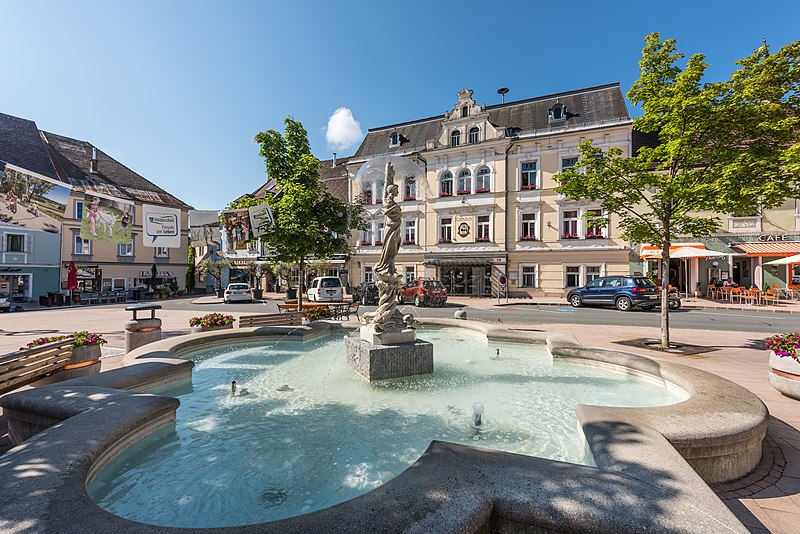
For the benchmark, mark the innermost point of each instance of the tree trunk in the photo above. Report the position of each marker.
(300, 289)
(665, 294)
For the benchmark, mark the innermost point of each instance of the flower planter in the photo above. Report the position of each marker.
(784, 375)
(85, 361)
(199, 328)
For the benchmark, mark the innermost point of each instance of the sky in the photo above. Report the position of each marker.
(177, 90)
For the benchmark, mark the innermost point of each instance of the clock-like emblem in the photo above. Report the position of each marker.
(463, 229)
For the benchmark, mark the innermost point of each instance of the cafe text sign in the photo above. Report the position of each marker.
(766, 238)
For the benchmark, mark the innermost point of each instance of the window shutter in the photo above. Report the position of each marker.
(3, 242)
(28, 241)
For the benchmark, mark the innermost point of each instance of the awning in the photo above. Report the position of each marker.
(785, 261)
(648, 251)
(786, 248)
(453, 262)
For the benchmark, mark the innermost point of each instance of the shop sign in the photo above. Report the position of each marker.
(499, 259)
(462, 226)
(9, 270)
(767, 238)
(159, 274)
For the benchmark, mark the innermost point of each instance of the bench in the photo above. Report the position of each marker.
(343, 311)
(287, 307)
(90, 298)
(271, 319)
(21, 368)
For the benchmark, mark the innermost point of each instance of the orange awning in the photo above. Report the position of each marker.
(785, 248)
(648, 251)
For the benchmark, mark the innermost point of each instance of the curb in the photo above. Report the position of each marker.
(772, 309)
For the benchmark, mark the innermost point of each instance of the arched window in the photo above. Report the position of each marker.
(379, 192)
(483, 180)
(394, 140)
(455, 138)
(410, 192)
(557, 113)
(474, 135)
(446, 185)
(464, 182)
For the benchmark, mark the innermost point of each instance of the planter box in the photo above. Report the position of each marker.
(198, 329)
(784, 375)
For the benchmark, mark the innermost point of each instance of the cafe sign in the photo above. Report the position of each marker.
(463, 229)
(770, 238)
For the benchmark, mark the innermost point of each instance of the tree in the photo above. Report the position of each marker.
(308, 219)
(214, 268)
(722, 147)
(190, 268)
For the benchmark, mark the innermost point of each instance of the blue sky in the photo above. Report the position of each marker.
(176, 90)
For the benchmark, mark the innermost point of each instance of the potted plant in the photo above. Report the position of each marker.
(214, 269)
(257, 271)
(784, 363)
(284, 271)
(86, 351)
(698, 290)
(211, 321)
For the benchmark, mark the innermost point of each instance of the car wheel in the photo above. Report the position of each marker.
(576, 301)
(624, 304)
(674, 304)
(418, 301)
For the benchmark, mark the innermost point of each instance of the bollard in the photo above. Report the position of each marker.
(140, 332)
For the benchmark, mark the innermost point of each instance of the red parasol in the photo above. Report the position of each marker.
(72, 276)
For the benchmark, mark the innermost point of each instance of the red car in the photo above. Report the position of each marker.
(423, 292)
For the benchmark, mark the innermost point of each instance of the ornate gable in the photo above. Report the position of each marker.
(465, 116)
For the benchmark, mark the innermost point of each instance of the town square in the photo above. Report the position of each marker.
(362, 267)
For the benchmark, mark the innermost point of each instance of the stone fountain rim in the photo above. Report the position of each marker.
(477, 487)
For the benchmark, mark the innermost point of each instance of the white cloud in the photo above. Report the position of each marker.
(344, 131)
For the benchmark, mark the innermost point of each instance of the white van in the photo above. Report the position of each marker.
(325, 289)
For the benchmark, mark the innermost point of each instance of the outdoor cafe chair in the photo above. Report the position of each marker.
(725, 293)
(736, 293)
(770, 296)
(750, 296)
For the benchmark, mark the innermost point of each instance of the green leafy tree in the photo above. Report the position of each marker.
(309, 221)
(190, 268)
(723, 147)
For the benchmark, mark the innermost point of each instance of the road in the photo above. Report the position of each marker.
(720, 320)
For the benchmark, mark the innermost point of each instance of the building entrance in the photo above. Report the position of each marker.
(467, 280)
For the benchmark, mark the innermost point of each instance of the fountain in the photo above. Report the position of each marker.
(387, 346)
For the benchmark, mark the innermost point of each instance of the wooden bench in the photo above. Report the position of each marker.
(271, 319)
(286, 307)
(90, 298)
(21, 368)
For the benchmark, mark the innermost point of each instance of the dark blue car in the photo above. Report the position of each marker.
(625, 292)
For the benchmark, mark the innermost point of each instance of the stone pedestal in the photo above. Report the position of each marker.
(392, 357)
(140, 332)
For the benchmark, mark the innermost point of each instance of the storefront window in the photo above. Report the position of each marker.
(572, 276)
(592, 272)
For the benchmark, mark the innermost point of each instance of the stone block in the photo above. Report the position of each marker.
(388, 337)
(382, 362)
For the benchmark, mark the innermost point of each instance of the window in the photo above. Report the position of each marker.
(569, 224)
(464, 182)
(368, 274)
(79, 209)
(366, 235)
(446, 230)
(394, 139)
(528, 230)
(446, 186)
(483, 228)
(162, 252)
(557, 113)
(529, 176)
(379, 234)
(82, 246)
(410, 273)
(483, 180)
(474, 135)
(410, 233)
(572, 275)
(366, 195)
(410, 191)
(379, 192)
(594, 222)
(593, 272)
(106, 284)
(455, 138)
(15, 243)
(527, 276)
(118, 284)
(568, 163)
(126, 249)
(465, 111)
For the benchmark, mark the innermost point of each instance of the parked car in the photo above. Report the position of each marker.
(366, 293)
(623, 292)
(5, 302)
(423, 292)
(238, 293)
(325, 289)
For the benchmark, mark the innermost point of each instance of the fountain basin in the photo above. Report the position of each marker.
(451, 488)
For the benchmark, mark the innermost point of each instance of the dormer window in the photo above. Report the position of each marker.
(557, 113)
(455, 138)
(465, 111)
(394, 139)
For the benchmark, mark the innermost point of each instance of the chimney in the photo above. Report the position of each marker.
(334, 159)
(93, 162)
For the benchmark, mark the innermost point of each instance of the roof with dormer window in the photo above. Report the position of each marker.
(584, 107)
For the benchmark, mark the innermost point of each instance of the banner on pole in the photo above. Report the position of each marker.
(106, 218)
(31, 200)
(237, 229)
(260, 219)
(161, 226)
(204, 228)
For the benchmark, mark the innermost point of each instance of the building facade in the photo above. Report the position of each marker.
(484, 218)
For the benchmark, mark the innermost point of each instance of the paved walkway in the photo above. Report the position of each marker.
(767, 500)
